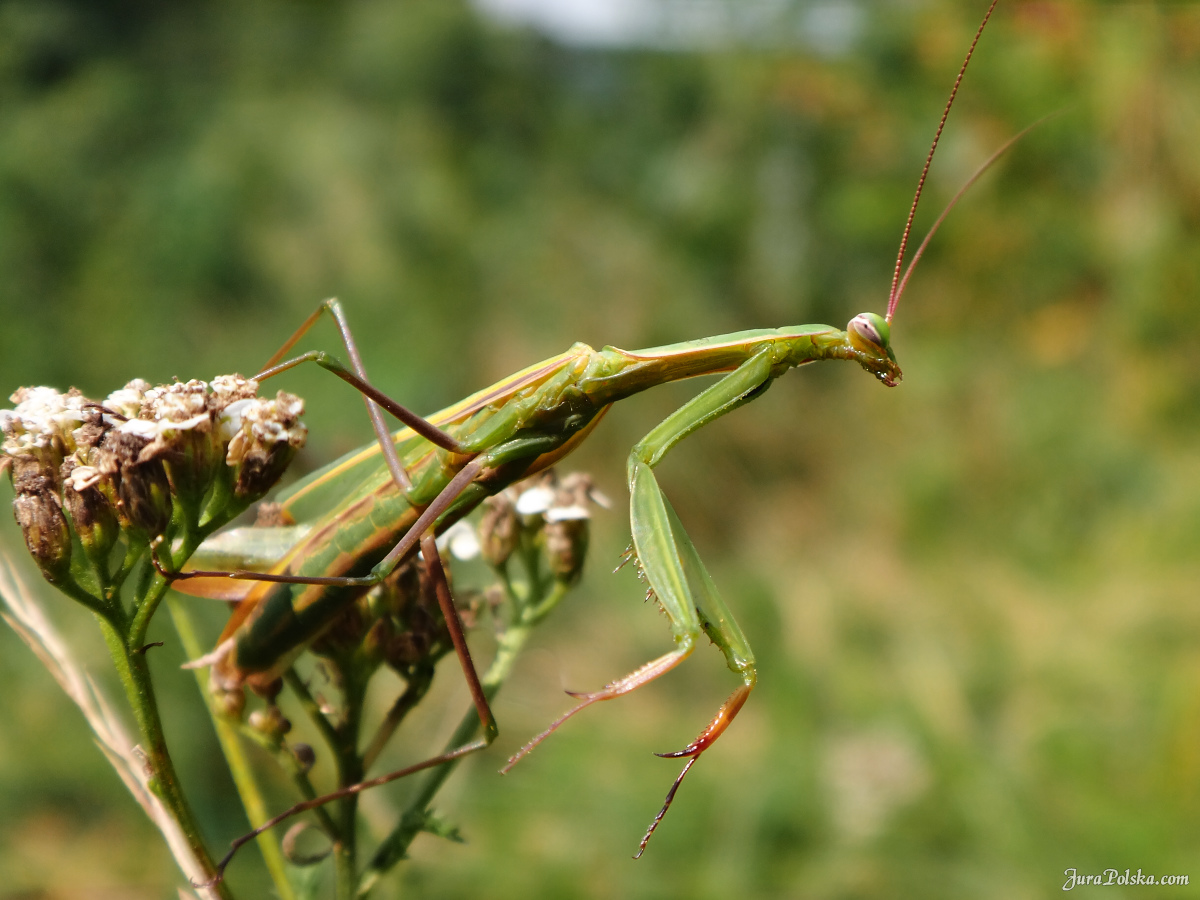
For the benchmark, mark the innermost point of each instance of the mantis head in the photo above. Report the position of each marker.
(870, 341)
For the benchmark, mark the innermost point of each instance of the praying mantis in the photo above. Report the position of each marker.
(377, 507)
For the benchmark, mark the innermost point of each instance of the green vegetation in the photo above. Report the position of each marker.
(973, 598)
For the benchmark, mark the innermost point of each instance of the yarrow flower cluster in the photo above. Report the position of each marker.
(147, 459)
(555, 511)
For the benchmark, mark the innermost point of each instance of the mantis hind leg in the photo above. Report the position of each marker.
(454, 625)
(422, 532)
(374, 399)
(640, 676)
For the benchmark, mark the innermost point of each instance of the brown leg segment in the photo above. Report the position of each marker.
(692, 751)
(433, 562)
(634, 680)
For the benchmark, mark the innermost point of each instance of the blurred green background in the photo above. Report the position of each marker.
(973, 597)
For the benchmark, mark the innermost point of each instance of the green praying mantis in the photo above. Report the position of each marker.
(378, 506)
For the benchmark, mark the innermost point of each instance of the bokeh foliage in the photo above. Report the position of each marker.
(973, 597)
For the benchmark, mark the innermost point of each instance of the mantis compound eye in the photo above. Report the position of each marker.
(871, 328)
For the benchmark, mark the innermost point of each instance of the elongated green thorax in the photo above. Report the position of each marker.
(614, 374)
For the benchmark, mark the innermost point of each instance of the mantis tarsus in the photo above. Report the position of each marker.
(438, 469)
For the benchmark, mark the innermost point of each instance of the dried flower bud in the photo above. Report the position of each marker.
(293, 851)
(345, 632)
(577, 489)
(40, 516)
(270, 722)
(41, 424)
(566, 547)
(374, 644)
(143, 491)
(560, 508)
(407, 649)
(91, 513)
(268, 690)
(306, 757)
(418, 632)
(146, 455)
(45, 436)
(231, 704)
(499, 530)
(30, 476)
(227, 389)
(146, 494)
(264, 436)
(183, 436)
(127, 402)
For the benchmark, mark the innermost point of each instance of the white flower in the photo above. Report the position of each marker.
(229, 422)
(561, 501)
(128, 400)
(143, 428)
(178, 402)
(535, 500)
(229, 389)
(264, 423)
(461, 540)
(43, 418)
(567, 513)
(84, 477)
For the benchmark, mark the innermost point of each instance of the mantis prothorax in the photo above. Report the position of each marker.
(437, 469)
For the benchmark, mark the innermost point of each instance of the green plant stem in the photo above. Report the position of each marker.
(108, 611)
(350, 771)
(157, 587)
(235, 757)
(415, 689)
(330, 735)
(342, 741)
(132, 554)
(510, 643)
(313, 709)
(287, 761)
(130, 661)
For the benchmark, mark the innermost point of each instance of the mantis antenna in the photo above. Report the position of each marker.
(987, 164)
(898, 283)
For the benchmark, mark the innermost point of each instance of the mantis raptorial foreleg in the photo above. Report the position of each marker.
(674, 571)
